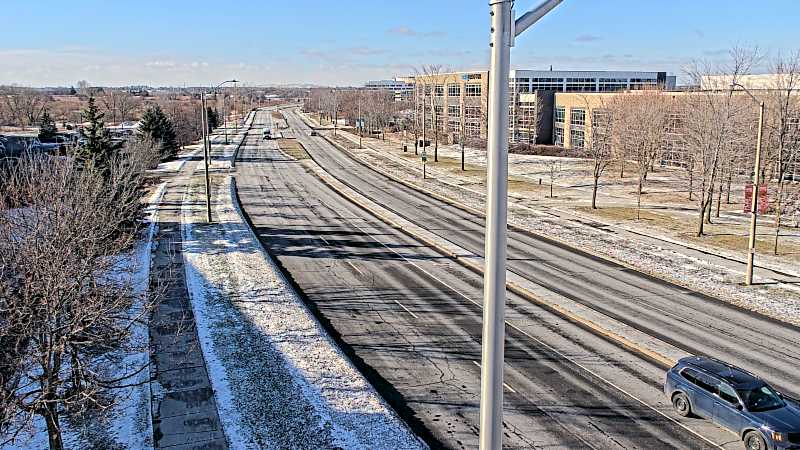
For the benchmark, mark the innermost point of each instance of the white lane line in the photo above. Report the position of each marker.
(407, 310)
(507, 386)
(356, 268)
(562, 355)
(324, 240)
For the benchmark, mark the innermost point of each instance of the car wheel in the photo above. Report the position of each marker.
(681, 404)
(754, 441)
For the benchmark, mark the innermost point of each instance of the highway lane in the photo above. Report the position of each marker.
(411, 321)
(691, 321)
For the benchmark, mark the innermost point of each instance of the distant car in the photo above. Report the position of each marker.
(267, 135)
(763, 418)
(313, 133)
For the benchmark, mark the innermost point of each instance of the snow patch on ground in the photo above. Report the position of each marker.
(280, 381)
(127, 425)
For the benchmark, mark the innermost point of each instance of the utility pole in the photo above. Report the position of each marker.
(360, 124)
(422, 104)
(503, 31)
(751, 245)
(335, 111)
(235, 107)
(206, 154)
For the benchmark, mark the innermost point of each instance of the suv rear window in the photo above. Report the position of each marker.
(700, 379)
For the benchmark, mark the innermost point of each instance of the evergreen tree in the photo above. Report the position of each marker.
(72, 91)
(213, 118)
(98, 148)
(47, 128)
(156, 126)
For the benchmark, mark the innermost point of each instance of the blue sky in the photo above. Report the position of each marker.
(172, 42)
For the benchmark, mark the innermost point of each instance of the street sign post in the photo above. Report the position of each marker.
(424, 158)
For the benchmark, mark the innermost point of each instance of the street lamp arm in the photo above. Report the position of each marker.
(224, 82)
(747, 91)
(533, 16)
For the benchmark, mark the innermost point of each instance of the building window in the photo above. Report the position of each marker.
(575, 137)
(472, 129)
(577, 117)
(453, 110)
(454, 90)
(558, 136)
(643, 83)
(439, 90)
(472, 112)
(580, 84)
(473, 90)
(547, 84)
(474, 76)
(560, 114)
(613, 84)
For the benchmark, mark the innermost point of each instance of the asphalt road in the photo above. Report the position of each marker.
(410, 319)
(686, 319)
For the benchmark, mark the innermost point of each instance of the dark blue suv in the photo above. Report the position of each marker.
(763, 418)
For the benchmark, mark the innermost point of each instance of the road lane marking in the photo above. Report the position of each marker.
(407, 310)
(356, 268)
(507, 386)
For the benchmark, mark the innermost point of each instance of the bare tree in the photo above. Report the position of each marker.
(716, 126)
(555, 170)
(67, 305)
(783, 120)
(599, 147)
(640, 126)
(24, 105)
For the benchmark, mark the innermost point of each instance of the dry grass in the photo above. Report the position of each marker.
(277, 115)
(293, 148)
(727, 236)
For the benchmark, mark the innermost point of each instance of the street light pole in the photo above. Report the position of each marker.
(224, 107)
(503, 31)
(335, 111)
(206, 154)
(751, 244)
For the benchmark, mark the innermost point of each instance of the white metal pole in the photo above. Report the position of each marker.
(494, 278)
(207, 155)
(503, 31)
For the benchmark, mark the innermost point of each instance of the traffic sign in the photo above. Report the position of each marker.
(424, 156)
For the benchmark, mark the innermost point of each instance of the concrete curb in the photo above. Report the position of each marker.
(660, 352)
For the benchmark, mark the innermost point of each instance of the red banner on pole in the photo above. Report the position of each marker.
(763, 200)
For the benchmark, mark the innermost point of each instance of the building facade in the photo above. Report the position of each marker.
(401, 88)
(459, 100)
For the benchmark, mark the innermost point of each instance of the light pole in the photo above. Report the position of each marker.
(751, 245)
(206, 152)
(335, 111)
(224, 109)
(360, 125)
(503, 30)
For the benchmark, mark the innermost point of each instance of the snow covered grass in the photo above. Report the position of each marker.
(279, 380)
(127, 424)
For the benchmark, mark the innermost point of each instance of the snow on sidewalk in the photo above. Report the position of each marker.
(279, 380)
